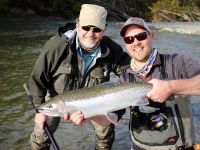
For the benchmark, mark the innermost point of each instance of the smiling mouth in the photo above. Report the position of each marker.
(138, 49)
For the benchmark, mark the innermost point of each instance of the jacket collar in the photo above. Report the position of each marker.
(68, 32)
(156, 63)
(105, 51)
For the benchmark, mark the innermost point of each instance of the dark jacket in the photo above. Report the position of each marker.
(59, 69)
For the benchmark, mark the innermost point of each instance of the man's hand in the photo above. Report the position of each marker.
(77, 118)
(161, 90)
(40, 119)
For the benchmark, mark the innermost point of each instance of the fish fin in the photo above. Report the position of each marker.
(141, 101)
(112, 117)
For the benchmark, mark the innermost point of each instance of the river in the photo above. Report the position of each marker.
(21, 41)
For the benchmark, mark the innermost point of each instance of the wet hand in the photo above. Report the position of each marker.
(40, 120)
(161, 90)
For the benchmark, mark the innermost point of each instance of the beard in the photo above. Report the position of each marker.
(89, 45)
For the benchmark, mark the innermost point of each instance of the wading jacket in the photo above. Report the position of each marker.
(165, 126)
(59, 69)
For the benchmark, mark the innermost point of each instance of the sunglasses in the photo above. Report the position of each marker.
(93, 29)
(140, 37)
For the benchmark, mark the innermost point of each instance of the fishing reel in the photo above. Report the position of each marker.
(158, 121)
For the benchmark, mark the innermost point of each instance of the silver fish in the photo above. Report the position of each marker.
(98, 100)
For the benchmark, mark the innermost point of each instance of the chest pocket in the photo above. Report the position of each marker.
(65, 77)
(61, 78)
(98, 74)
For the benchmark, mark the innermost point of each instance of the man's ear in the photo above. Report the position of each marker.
(104, 29)
(151, 35)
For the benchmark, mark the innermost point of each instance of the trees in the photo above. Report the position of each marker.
(168, 10)
(120, 10)
(181, 10)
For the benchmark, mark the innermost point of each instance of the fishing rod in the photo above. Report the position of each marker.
(46, 128)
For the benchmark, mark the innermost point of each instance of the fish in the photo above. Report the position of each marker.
(104, 99)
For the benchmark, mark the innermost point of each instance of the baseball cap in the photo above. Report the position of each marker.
(91, 14)
(133, 21)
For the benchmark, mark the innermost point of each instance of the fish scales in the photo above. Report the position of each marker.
(99, 100)
(99, 91)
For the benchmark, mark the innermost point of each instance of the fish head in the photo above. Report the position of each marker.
(53, 109)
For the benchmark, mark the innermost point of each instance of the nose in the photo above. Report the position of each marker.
(136, 42)
(90, 32)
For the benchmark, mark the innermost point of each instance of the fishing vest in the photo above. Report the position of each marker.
(161, 126)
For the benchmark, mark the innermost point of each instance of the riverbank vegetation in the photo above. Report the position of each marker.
(119, 10)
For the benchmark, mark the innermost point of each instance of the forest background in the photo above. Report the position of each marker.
(119, 10)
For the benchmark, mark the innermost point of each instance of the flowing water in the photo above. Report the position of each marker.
(20, 43)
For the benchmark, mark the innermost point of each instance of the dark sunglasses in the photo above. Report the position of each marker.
(140, 37)
(93, 29)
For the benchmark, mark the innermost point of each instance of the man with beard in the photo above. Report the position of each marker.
(75, 59)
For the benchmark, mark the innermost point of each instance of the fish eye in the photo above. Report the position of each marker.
(49, 106)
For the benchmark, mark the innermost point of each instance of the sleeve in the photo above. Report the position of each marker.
(39, 79)
(122, 63)
(47, 63)
(185, 67)
(121, 59)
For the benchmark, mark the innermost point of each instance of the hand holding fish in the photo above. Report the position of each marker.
(40, 119)
(161, 90)
(77, 118)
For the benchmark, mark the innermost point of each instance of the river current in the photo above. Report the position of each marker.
(21, 41)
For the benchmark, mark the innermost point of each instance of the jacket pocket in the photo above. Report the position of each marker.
(62, 79)
(98, 75)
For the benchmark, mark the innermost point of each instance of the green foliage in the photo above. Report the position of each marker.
(67, 7)
(147, 9)
(173, 9)
(64, 8)
(174, 4)
(139, 8)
